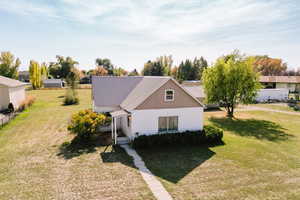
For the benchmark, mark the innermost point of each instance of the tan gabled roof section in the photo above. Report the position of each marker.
(142, 91)
(182, 98)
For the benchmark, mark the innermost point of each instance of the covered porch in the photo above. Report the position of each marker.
(120, 127)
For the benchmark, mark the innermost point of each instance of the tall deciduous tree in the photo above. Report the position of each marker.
(35, 74)
(120, 71)
(44, 71)
(62, 67)
(269, 66)
(166, 63)
(9, 65)
(231, 80)
(106, 64)
(99, 71)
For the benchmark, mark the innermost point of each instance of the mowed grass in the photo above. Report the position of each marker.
(281, 107)
(259, 160)
(33, 166)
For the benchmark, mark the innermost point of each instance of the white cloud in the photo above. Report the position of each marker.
(161, 20)
(27, 8)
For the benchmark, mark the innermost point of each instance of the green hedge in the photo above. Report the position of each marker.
(210, 135)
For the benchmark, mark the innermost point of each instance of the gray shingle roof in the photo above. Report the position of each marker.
(111, 91)
(10, 82)
(127, 92)
(196, 91)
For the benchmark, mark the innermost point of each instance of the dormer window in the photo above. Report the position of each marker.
(169, 95)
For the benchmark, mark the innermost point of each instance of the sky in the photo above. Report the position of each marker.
(131, 32)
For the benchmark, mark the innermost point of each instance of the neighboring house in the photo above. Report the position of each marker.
(280, 94)
(196, 89)
(24, 76)
(53, 83)
(11, 91)
(292, 83)
(146, 105)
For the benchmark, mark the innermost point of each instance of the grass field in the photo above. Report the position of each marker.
(259, 160)
(282, 107)
(34, 164)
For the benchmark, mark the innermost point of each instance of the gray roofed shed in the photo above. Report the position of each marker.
(11, 82)
(53, 83)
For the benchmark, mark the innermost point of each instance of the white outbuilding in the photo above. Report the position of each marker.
(11, 91)
(280, 94)
(53, 83)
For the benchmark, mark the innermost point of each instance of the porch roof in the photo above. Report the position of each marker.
(118, 113)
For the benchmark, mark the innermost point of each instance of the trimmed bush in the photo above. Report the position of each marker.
(85, 123)
(26, 103)
(71, 97)
(210, 135)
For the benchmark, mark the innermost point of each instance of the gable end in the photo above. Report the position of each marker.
(182, 99)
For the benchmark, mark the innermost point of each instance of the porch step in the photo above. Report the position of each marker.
(123, 140)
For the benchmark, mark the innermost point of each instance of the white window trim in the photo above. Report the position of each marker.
(166, 95)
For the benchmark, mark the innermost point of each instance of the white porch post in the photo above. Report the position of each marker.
(112, 129)
(115, 130)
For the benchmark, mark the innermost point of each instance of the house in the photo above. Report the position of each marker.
(146, 105)
(292, 83)
(24, 76)
(11, 91)
(196, 89)
(53, 83)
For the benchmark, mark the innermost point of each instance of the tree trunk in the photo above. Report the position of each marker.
(230, 110)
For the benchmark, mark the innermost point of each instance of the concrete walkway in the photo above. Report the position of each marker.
(247, 108)
(155, 186)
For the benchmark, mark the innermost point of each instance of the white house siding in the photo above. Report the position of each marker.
(145, 122)
(4, 97)
(272, 94)
(17, 95)
(124, 126)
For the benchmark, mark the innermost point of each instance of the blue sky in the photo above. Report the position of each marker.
(130, 32)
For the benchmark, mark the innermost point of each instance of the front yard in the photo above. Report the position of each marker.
(33, 164)
(259, 160)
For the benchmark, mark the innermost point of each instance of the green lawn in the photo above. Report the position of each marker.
(259, 160)
(282, 107)
(35, 165)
